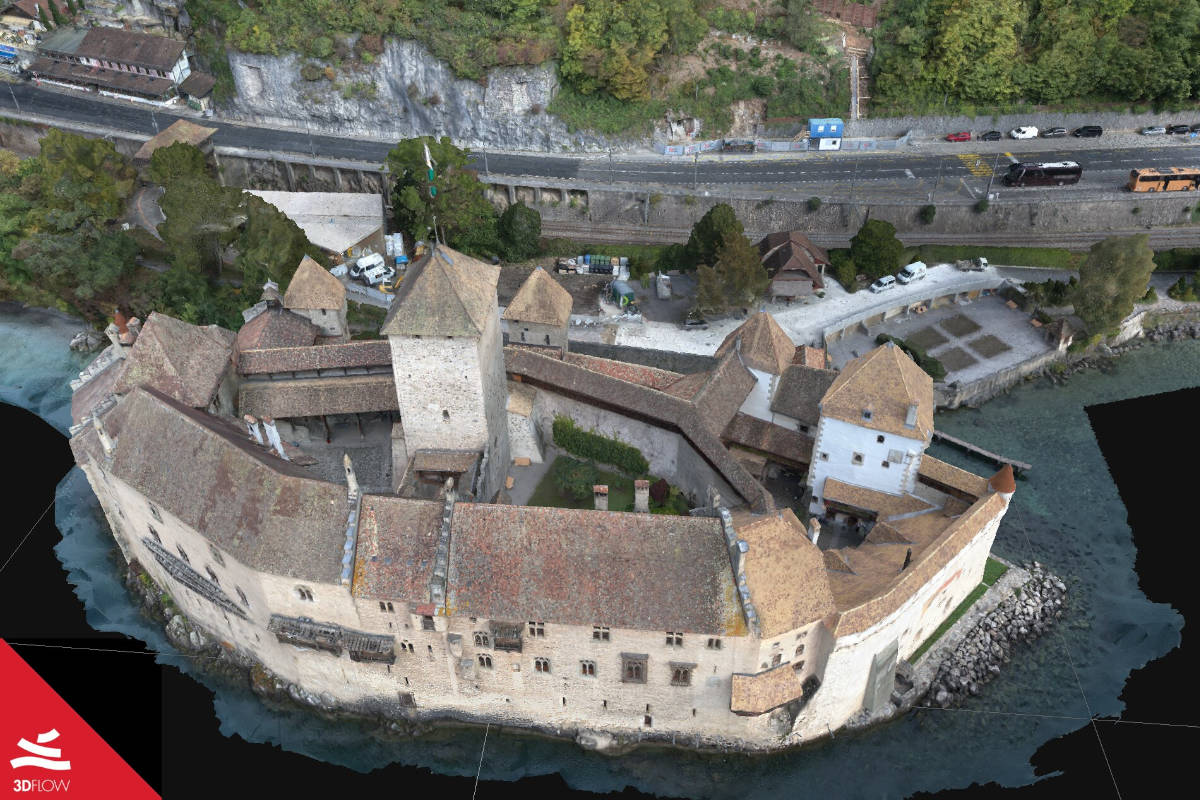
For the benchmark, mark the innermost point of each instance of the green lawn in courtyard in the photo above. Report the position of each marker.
(620, 494)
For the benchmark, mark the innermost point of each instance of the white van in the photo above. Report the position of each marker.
(913, 272)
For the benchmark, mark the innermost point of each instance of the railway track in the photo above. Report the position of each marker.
(1160, 238)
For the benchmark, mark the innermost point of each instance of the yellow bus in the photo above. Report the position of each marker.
(1171, 179)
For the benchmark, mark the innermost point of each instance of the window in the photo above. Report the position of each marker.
(242, 596)
(212, 576)
(714, 644)
(383, 606)
(801, 635)
(154, 513)
(485, 661)
(304, 593)
(547, 338)
(776, 659)
(824, 456)
(482, 640)
(681, 674)
(445, 415)
(600, 633)
(674, 639)
(537, 629)
(858, 458)
(799, 665)
(647, 721)
(154, 533)
(183, 554)
(879, 439)
(866, 413)
(216, 556)
(406, 647)
(587, 668)
(885, 464)
(633, 668)
(427, 623)
(541, 665)
(800, 649)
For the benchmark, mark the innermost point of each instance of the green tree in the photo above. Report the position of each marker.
(574, 477)
(741, 270)
(202, 219)
(709, 232)
(71, 7)
(977, 48)
(88, 172)
(54, 12)
(611, 44)
(520, 228)
(460, 205)
(1111, 279)
(710, 291)
(42, 18)
(176, 161)
(270, 245)
(875, 250)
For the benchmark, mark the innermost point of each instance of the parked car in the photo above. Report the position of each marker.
(972, 264)
(1024, 132)
(1054, 133)
(1176, 129)
(961, 136)
(1088, 131)
(991, 136)
(365, 263)
(883, 284)
(1154, 130)
(913, 272)
(1195, 128)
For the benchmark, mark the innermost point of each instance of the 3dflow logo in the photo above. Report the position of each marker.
(31, 708)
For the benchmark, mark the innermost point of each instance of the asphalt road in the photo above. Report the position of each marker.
(865, 176)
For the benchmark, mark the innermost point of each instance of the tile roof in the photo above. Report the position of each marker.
(653, 377)
(197, 84)
(113, 79)
(446, 293)
(1003, 480)
(397, 543)
(792, 253)
(128, 47)
(264, 511)
(102, 384)
(950, 475)
(785, 573)
(884, 381)
(314, 397)
(639, 402)
(724, 391)
(638, 571)
(541, 300)
(766, 691)
(799, 392)
(29, 7)
(181, 130)
(313, 287)
(883, 504)
(343, 355)
(687, 386)
(184, 361)
(276, 327)
(765, 437)
(765, 346)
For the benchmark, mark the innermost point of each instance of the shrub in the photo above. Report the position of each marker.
(589, 444)
(813, 203)
(574, 477)
(311, 72)
(926, 214)
(1150, 296)
(660, 490)
(321, 47)
(981, 206)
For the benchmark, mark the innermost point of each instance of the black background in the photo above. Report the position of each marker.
(163, 724)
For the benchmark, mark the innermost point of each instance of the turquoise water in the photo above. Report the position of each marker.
(1066, 514)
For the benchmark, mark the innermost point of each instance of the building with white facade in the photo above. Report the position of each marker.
(403, 582)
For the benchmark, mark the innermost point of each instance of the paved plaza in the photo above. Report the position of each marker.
(972, 339)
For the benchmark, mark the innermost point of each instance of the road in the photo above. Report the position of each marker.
(865, 177)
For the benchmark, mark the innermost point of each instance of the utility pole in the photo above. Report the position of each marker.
(988, 193)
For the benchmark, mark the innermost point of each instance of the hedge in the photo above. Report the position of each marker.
(931, 365)
(588, 444)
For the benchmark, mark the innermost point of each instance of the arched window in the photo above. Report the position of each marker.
(541, 664)
(485, 661)
(304, 593)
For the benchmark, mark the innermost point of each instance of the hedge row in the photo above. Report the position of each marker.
(931, 365)
(588, 444)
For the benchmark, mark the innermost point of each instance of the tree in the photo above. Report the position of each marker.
(1112, 278)
(875, 249)
(270, 245)
(710, 291)
(42, 18)
(202, 219)
(54, 12)
(90, 172)
(71, 7)
(709, 232)
(520, 228)
(611, 44)
(741, 270)
(574, 477)
(179, 160)
(460, 204)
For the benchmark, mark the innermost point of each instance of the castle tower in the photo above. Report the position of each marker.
(448, 360)
(539, 313)
(314, 293)
(767, 352)
(876, 421)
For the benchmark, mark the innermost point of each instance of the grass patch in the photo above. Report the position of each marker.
(988, 346)
(1051, 257)
(364, 320)
(992, 571)
(927, 338)
(620, 494)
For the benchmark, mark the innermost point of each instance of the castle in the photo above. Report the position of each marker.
(340, 511)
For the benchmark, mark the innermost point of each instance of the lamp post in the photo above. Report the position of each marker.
(988, 194)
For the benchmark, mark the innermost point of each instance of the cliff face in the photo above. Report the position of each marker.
(405, 92)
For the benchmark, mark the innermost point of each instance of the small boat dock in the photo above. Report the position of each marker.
(1018, 466)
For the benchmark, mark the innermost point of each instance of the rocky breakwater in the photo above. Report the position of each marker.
(404, 92)
(1103, 357)
(1028, 613)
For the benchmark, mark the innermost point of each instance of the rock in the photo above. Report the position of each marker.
(87, 341)
(942, 698)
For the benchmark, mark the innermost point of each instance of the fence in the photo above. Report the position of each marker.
(768, 146)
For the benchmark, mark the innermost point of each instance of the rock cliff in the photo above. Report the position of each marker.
(404, 92)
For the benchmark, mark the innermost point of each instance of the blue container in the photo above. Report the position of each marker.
(587, 260)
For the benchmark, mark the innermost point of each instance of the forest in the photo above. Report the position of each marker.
(990, 55)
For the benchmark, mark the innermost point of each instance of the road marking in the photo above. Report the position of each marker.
(1012, 158)
(975, 165)
(908, 173)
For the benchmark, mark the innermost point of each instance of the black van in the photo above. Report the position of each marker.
(1088, 131)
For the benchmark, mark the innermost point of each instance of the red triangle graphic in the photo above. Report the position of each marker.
(57, 752)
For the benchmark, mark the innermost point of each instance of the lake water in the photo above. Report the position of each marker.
(1066, 514)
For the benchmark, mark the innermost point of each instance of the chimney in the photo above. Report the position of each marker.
(351, 481)
(105, 442)
(135, 328)
(910, 419)
(641, 496)
(600, 496)
(814, 528)
(270, 293)
(273, 437)
(252, 426)
(449, 491)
